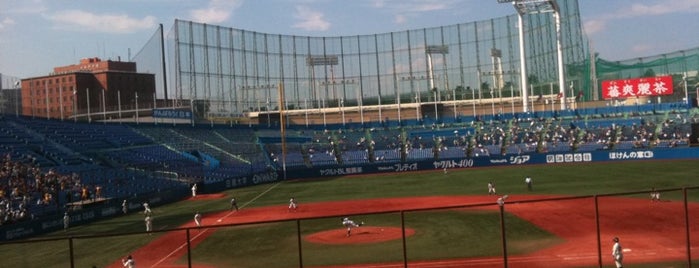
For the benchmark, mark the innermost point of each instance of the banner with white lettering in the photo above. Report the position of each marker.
(637, 87)
(172, 113)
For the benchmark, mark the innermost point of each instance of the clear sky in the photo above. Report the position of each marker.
(37, 35)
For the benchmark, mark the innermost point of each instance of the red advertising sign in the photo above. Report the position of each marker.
(637, 87)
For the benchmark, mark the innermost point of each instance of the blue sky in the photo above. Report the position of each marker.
(37, 35)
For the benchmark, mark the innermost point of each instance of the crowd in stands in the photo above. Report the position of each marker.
(509, 136)
(30, 184)
(24, 186)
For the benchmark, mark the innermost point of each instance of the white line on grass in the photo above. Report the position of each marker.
(251, 200)
(178, 248)
(206, 229)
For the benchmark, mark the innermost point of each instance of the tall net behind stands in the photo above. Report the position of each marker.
(150, 60)
(236, 71)
(678, 64)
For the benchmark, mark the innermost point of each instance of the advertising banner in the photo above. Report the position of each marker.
(637, 87)
(172, 113)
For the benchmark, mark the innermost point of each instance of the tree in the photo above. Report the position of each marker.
(532, 79)
(649, 73)
(460, 91)
(485, 86)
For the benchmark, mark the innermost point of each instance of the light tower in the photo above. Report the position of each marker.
(536, 7)
(442, 50)
(324, 61)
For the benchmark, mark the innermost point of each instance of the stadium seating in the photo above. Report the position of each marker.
(132, 159)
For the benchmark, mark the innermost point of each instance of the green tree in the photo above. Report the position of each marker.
(485, 86)
(533, 79)
(460, 92)
(649, 73)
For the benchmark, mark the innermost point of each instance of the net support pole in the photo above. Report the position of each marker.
(522, 63)
(504, 236)
(686, 225)
(599, 243)
(298, 240)
(402, 228)
(282, 127)
(188, 236)
(162, 60)
(72, 253)
(559, 57)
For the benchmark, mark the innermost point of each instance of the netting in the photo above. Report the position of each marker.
(236, 71)
(149, 60)
(229, 71)
(681, 65)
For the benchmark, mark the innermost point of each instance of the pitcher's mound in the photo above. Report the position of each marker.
(360, 235)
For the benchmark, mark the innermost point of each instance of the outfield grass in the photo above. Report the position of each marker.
(251, 247)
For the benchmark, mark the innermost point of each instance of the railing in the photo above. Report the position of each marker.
(651, 231)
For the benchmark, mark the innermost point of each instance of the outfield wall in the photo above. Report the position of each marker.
(495, 161)
(478, 162)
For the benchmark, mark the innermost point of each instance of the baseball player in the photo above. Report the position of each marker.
(66, 221)
(129, 262)
(197, 219)
(234, 204)
(149, 223)
(617, 253)
(146, 209)
(124, 207)
(491, 188)
(528, 181)
(654, 195)
(350, 224)
(292, 204)
(194, 190)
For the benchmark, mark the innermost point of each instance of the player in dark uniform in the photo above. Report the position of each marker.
(234, 204)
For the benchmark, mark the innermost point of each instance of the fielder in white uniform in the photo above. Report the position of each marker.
(654, 195)
(292, 204)
(66, 221)
(194, 190)
(129, 262)
(528, 181)
(197, 219)
(491, 188)
(149, 223)
(146, 209)
(350, 224)
(124, 207)
(617, 253)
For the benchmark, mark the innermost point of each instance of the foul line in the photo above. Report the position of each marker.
(206, 229)
(251, 200)
(178, 248)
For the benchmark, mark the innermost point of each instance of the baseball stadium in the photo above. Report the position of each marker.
(504, 142)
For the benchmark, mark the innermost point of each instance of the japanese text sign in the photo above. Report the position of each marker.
(637, 87)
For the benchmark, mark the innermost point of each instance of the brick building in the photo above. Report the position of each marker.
(87, 90)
